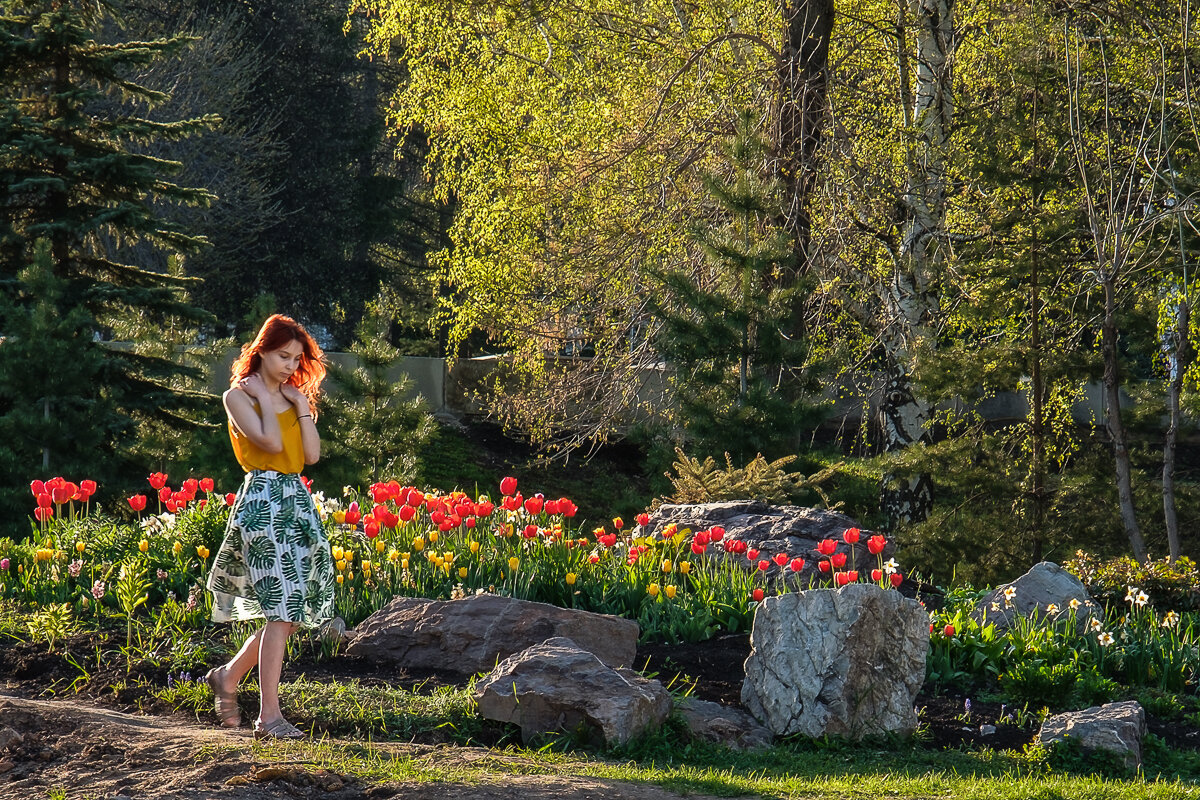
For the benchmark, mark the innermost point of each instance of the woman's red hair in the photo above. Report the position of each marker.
(275, 333)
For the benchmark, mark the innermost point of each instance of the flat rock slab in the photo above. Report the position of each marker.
(732, 727)
(558, 686)
(770, 529)
(1116, 727)
(472, 634)
(846, 662)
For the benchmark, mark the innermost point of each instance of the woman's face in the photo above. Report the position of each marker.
(278, 365)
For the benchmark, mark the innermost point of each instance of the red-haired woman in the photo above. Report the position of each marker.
(274, 562)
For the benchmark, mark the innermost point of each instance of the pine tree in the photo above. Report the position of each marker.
(72, 174)
(739, 377)
(374, 429)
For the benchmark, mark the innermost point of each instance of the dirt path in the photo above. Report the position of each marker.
(97, 754)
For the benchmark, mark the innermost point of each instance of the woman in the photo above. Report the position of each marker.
(274, 562)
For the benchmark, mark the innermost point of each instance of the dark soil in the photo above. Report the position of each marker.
(711, 670)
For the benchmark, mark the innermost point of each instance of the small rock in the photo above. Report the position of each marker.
(987, 730)
(238, 780)
(10, 739)
(5, 766)
(1117, 727)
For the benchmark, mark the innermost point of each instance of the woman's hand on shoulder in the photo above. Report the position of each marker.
(253, 386)
(295, 397)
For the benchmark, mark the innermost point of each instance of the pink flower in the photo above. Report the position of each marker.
(3, 565)
(98, 589)
(74, 568)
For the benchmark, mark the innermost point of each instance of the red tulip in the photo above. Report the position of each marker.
(414, 498)
(484, 509)
(698, 548)
(44, 500)
(230, 499)
(757, 595)
(470, 522)
(896, 578)
(407, 513)
(876, 544)
(752, 554)
(534, 505)
(551, 507)
(353, 514)
(567, 508)
(43, 513)
(203, 503)
(842, 578)
(608, 540)
(171, 505)
(780, 558)
(717, 533)
(164, 494)
(307, 483)
(823, 566)
(37, 487)
(826, 547)
(137, 502)
(948, 630)
(838, 559)
(851, 535)
(618, 523)
(643, 519)
(508, 485)
(701, 537)
(797, 564)
(207, 484)
(61, 494)
(436, 517)
(371, 529)
(378, 492)
(158, 479)
(388, 519)
(190, 486)
(762, 565)
(877, 575)
(88, 486)
(853, 575)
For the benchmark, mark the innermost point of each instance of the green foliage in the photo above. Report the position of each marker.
(374, 428)
(703, 482)
(1174, 585)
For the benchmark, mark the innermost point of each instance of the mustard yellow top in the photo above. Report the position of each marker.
(290, 459)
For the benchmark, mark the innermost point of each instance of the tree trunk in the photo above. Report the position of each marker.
(800, 110)
(1116, 430)
(912, 298)
(1180, 359)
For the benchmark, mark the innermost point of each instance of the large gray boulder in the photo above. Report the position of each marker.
(846, 662)
(770, 529)
(1117, 727)
(1045, 592)
(558, 686)
(472, 634)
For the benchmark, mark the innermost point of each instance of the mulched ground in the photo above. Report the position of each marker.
(713, 670)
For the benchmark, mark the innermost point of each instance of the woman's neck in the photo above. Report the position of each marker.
(273, 386)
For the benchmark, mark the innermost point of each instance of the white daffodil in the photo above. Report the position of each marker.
(1075, 604)
(1141, 599)
(1052, 608)
(1095, 624)
(890, 566)
(1170, 620)
(1133, 590)
(1105, 639)
(1010, 592)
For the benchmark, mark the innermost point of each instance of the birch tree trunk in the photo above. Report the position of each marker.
(1180, 357)
(912, 298)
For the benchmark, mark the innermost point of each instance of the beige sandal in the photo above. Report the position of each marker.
(279, 729)
(225, 703)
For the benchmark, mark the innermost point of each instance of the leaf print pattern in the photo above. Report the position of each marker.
(274, 561)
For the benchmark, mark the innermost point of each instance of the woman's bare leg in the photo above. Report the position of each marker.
(271, 650)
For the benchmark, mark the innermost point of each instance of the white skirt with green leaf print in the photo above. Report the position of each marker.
(274, 562)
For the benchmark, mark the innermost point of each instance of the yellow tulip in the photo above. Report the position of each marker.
(404, 564)
(177, 548)
(394, 556)
(667, 565)
(652, 590)
(379, 545)
(570, 579)
(685, 567)
(338, 552)
(474, 546)
(341, 565)
(513, 563)
(143, 545)
(433, 537)
(202, 551)
(418, 544)
(366, 564)
(670, 592)
(462, 572)
(79, 547)
(339, 517)
(341, 578)
(448, 556)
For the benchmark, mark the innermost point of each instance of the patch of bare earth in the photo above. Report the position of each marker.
(88, 752)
